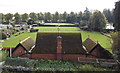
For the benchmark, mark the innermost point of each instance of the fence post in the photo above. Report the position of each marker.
(78, 59)
(118, 65)
(10, 52)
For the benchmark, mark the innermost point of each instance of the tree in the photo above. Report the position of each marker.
(48, 17)
(86, 14)
(116, 36)
(116, 41)
(61, 18)
(117, 16)
(65, 15)
(8, 17)
(41, 16)
(56, 17)
(71, 18)
(30, 22)
(33, 16)
(1, 18)
(98, 21)
(108, 14)
(24, 17)
(17, 18)
(79, 17)
(85, 17)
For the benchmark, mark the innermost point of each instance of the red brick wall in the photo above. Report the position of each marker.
(18, 51)
(95, 52)
(26, 56)
(73, 57)
(43, 56)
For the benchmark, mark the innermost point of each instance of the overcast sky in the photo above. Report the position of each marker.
(27, 6)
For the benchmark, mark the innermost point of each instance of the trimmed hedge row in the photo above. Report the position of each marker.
(33, 30)
(60, 25)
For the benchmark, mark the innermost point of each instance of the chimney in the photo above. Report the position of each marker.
(59, 47)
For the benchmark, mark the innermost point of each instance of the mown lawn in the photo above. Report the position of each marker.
(103, 40)
(12, 42)
(61, 29)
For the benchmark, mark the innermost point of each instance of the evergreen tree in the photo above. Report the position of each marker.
(117, 16)
(86, 14)
(108, 14)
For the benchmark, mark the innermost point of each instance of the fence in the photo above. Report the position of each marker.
(101, 62)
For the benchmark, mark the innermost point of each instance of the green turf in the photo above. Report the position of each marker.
(12, 42)
(103, 40)
(61, 29)
(58, 24)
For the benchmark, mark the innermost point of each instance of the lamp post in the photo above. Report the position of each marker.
(58, 28)
(2, 18)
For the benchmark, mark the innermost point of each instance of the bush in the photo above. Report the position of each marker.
(24, 62)
(3, 36)
(3, 55)
(115, 45)
(17, 30)
(51, 65)
(33, 30)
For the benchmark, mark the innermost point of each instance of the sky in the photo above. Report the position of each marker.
(28, 6)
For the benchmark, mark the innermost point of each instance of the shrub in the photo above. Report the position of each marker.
(17, 30)
(4, 55)
(24, 62)
(3, 36)
(33, 30)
